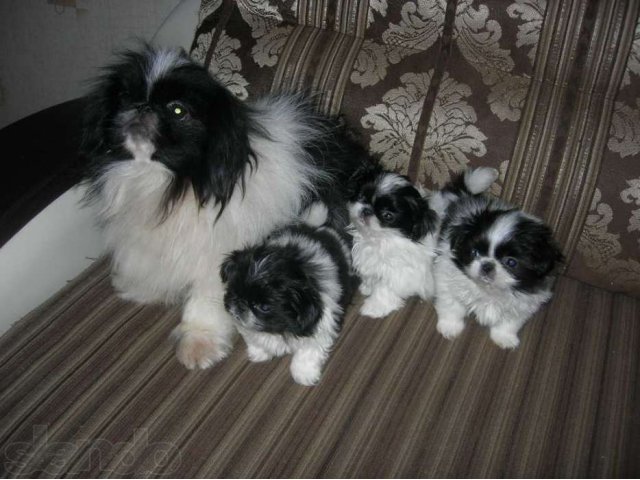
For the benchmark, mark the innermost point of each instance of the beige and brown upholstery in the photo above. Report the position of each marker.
(548, 93)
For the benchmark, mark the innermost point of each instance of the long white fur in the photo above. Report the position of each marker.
(391, 266)
(179, 259)
(309, 353)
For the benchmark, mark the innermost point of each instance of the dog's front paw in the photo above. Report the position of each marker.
(450, 328)
(375, 308)
(305, 373)
(257, 354)
(198, 349)
(504, 339)
(365, 289)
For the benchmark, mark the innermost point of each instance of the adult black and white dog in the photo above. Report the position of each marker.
(182, 173)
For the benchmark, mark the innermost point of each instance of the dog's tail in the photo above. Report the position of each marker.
(315, 215)
(474, 181)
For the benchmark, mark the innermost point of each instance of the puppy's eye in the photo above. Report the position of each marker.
(262, 307)
(510, 262)
(475, 252)
(388, 216)
(177, 109)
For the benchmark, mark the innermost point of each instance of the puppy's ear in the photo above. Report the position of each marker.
(424, 218)
(363, 174)
(229, 266)
(552, 257)
(306, 307)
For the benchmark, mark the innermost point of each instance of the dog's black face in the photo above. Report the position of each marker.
(503, 248)
(384, 200)
(269, 290)
(160, 106)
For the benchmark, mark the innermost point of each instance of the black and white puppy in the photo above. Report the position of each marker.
(394, 239)
(495, 262)
(182, 173)
(288, 296)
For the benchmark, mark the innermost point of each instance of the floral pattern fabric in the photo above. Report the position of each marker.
(430, 103)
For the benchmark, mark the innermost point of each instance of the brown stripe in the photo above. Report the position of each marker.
(614, 450)
(47, 316)
(96, 395)
(320, 60)
(444, 52)
(579, 66)
(575, 184)
(396, 399)
(225, 15)
(540, 117)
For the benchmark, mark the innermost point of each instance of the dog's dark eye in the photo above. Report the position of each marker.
(388, 216)
(177, 109)
(475, 252)
(510, 262)
(262, 307)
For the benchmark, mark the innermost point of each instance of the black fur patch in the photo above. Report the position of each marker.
(280, 283)
(529, 254)
(403, 208)
(207, 146)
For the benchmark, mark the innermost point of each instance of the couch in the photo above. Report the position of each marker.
(547, 93)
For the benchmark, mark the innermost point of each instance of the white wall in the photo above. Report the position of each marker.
(47, 52)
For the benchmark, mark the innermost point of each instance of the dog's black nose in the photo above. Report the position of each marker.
(142, 107)
(487, 267)
(366, 211)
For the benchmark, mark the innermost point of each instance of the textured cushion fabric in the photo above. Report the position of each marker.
(545, 93)
(89, 386)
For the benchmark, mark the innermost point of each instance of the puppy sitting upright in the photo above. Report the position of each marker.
(288, 294)
(394, 239)
(495, 262)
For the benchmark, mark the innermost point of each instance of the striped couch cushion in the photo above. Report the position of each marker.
(89, 386)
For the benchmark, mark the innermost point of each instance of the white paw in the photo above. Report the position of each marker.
(450, 328)
(306, 373)
(199, 348)
(504, 339)
(365, 289)
(257, 355)
(374, 308)
(426, 294)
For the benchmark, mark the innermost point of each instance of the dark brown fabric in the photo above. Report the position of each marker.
(40, 161)
(89, 386)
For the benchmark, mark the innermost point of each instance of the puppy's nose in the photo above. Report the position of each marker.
(366, 211)
(487, 267)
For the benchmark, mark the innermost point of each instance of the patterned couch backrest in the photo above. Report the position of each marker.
(547, 94)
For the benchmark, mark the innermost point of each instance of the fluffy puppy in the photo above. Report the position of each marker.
(494, 261)
(288, 295)
(182, 173)
(394, 239)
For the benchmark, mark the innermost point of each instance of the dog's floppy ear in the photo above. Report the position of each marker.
(228, 152)
(229, 266)
(543, 248)
(307, 308)
(424, 218)
(95, 118)
(364, 173)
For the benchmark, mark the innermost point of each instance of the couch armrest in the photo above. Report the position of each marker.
(41, 156)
